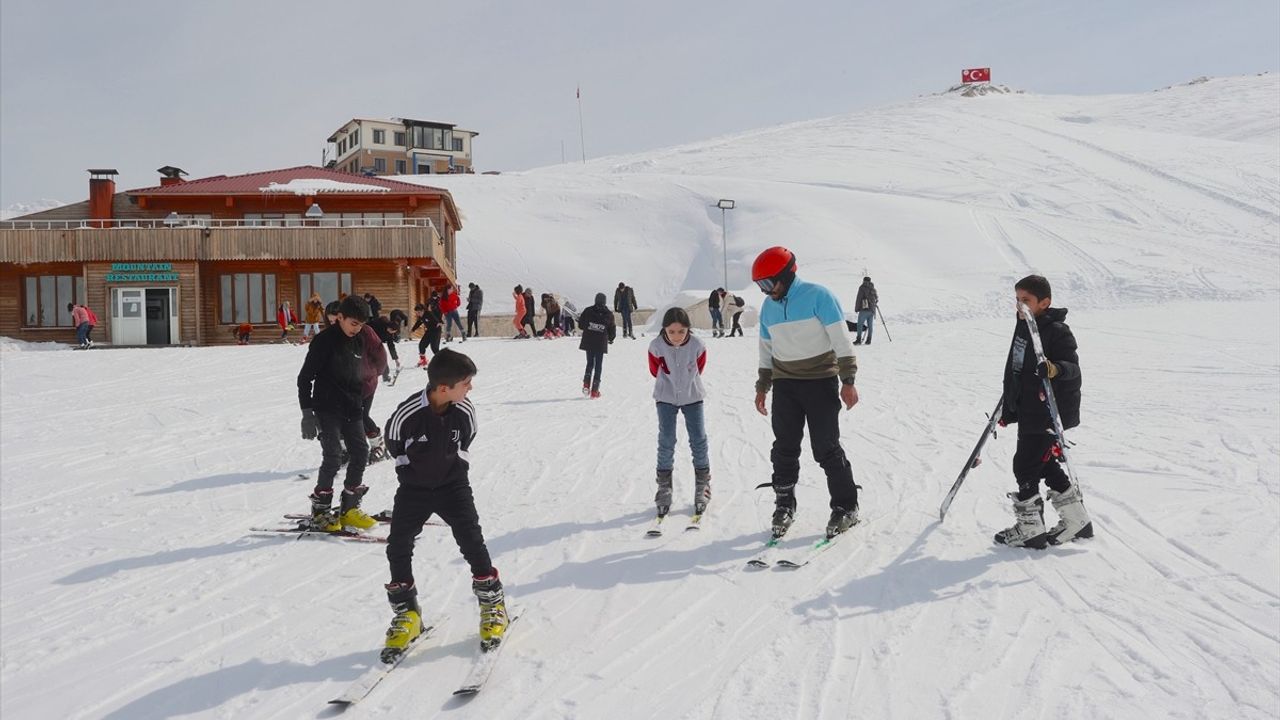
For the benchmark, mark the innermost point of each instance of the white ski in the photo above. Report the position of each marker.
(484, 663)
(364, 684)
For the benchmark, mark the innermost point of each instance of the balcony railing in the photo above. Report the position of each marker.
(147, 240)
(162, 223)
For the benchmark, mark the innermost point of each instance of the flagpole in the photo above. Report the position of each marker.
(581, 136)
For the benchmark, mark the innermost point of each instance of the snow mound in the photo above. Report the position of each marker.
(979, 90)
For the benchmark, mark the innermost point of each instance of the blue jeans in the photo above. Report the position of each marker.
(693, 423)
(595, 366)
(866, 319)
(453, 319)
(717, 319)
(82, 334)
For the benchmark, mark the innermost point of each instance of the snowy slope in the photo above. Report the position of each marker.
(129, 588)
(944, 199)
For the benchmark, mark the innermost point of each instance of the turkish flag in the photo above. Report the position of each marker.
(973, 75)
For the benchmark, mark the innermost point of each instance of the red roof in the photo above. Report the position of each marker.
(252, 183)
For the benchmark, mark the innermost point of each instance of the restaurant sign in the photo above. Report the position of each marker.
(142, 272)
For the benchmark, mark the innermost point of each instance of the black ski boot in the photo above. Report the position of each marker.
(841, 520)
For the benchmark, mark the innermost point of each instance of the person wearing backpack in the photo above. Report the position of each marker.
(738, 305)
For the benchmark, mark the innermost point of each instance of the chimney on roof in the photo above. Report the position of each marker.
(170, 175)
(102, 189)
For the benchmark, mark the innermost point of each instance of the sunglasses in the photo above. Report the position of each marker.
(767, 285)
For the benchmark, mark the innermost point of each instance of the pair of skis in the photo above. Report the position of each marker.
(772, 555)
(655, 526)
(303, 528)
(472, 684)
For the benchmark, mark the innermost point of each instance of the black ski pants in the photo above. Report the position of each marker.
(737, 325)
(367, 420)
(1034, 459)
(335, 429)
(432, 338)
(455, 505)
(816, 402)
(528, 320)
(473, 323)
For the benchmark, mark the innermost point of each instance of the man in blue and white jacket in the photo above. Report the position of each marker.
(806, 357)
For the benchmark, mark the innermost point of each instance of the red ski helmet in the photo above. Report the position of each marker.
(776, 264)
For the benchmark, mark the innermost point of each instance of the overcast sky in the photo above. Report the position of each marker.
(240, 86)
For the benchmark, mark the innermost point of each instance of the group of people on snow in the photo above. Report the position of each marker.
(806, 361)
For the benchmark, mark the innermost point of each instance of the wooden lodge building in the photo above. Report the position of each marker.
(186, 262)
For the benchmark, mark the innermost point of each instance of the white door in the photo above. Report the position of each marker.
(128, 321)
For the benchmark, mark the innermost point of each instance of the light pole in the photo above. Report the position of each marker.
(724, 237)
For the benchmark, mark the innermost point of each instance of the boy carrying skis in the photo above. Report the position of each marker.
(429, 436)
(1039, 453)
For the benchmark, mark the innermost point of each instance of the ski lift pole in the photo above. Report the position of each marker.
(884, 324)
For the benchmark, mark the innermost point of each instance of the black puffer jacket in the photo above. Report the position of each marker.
(598, 327)
(332, 379)
(1022, 388)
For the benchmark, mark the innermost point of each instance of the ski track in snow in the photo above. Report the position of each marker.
(134, 561)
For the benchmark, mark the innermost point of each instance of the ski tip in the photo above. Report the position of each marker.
(466, 691)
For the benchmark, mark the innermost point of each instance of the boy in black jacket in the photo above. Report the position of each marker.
(331, 394)
(598, 332)
(429, 436)
(1039, 454)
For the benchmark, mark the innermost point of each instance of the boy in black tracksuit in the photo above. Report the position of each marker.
(1039, 452)
(331, 395)
(429, 318)
(429, 436)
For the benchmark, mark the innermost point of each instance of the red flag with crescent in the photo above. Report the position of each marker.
(973, 75)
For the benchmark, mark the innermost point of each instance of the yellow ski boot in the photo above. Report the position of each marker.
(493, 609)
(406, 626)
(351, 516)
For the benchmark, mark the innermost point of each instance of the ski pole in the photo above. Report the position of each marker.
(883, 323)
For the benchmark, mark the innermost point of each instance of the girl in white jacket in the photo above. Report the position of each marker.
(676, 361)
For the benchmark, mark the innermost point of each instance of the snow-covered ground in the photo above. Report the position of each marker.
(128, 478)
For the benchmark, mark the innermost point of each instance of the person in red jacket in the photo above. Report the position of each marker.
(286, 319)
(449, 305)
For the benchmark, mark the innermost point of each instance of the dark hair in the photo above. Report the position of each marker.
(676, 315)
(70, 306)
(622, 284)
(601, 299)
(354, 308)
(449, 367)
(866, 278)
(393, 327)
(519, 289)
(332, 308)
(1036, 285)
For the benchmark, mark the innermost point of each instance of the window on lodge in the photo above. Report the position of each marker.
(47, 297)
(248, 297)
(330, 285)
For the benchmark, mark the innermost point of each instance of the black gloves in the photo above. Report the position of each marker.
(308, 424)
